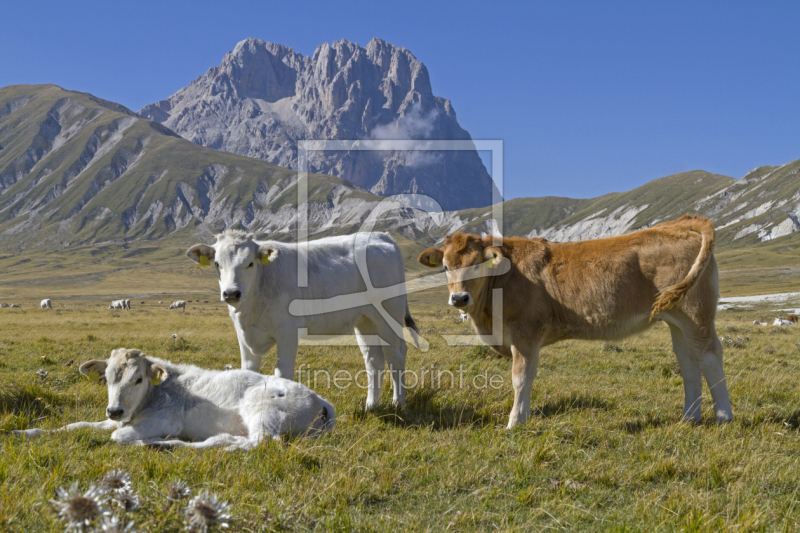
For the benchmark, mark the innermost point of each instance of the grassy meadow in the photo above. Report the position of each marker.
(604, 450)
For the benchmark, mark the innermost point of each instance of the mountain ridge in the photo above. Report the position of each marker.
(264, 98)
(77, 171)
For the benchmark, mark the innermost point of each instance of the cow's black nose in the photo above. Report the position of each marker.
(114, 414)
(232, 296)
(459, 300)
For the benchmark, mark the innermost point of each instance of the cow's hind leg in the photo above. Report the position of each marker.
(395, 355)
(692, 379)
(711, 366)
(367, 337)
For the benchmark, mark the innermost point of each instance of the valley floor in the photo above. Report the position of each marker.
(605, 449)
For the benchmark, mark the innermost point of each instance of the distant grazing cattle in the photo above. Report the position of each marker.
(205, 302)
(119, 304)
(160, 302)
(463, 317)
(4, 305)
(757, 323)
(46, 304)
(177, 304)
(600, 289)
(128, 305)
(156, 403)
(142, 303)
(259, 282)
(792, 319)
(781, 322)
(16, 305)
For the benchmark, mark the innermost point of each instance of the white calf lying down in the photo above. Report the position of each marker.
(154, 402)
(781, 322)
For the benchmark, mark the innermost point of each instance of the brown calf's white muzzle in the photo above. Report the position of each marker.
(460, 299)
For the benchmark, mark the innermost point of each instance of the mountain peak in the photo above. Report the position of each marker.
(265, 97)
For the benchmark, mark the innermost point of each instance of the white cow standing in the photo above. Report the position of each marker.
(117, 304)
(46, 304)
(259, 282)
(156, 403)
(177, 304)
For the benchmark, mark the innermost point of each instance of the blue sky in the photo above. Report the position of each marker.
(588, 97)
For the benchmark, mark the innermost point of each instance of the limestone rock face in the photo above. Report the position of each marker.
(264, 97)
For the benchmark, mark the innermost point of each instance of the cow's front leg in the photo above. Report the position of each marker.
(287, 354)
(152, 427)
(525, 363)
(250, 361)
(104, 425)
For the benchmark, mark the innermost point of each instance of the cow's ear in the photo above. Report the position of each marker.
(431, 258)
(267, 254)
(493, 255)
(202, 254)
(94, 369)
(157, 373)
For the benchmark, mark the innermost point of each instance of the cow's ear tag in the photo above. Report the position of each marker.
(493, 263)
(157, 378)
(204, 262)
(94, 375)
(432, 262)
(265, 260)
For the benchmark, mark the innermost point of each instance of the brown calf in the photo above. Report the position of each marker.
(598, 289)
(792, 318)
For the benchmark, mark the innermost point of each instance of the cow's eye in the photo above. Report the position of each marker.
(251, 264)
(445, 268)
(138, 380)
(216, 264)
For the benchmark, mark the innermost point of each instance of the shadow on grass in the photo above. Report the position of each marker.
(29, 399)
(573, 402)
(422, 410)
(786, 420)
(638, 425)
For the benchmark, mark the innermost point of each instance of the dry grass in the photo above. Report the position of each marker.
(604, 451)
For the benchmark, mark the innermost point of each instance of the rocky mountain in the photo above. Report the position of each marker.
(77, 171)
(264, 97)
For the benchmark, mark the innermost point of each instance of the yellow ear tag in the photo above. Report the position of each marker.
(431, 261)
(94, 375)
(156, 380)
(493, 263)
(204, 262)
(265, 260)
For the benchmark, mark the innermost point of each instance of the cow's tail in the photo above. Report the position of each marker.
(670, 296)
(413, 330)
(327, 417)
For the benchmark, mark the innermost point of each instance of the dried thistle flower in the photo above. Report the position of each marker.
(127, 500)
(228, 367)
(116, 481)
(42, 373)
(111, 524)
(78, 510)
(177, 490)
(205, 511)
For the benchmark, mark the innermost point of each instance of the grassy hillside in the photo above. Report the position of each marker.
(76, 170)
